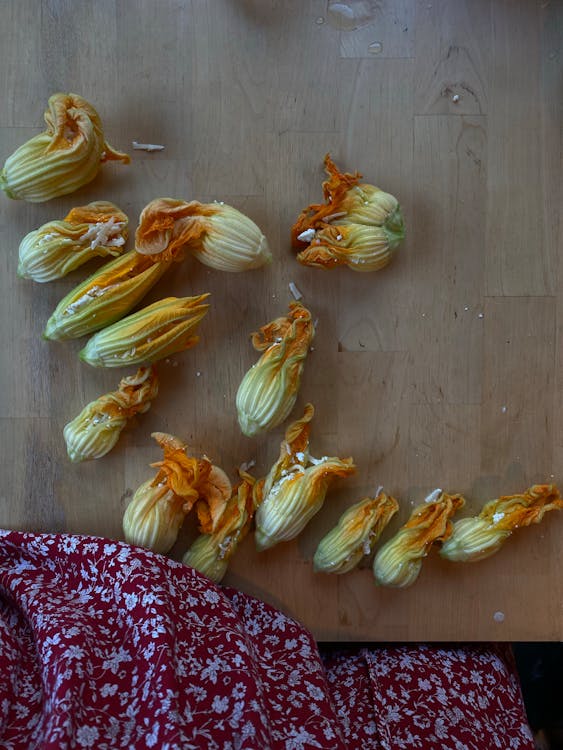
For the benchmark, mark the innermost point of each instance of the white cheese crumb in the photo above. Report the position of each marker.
(316, 461)
(198, 374)
(498, 517)
(503, 409)
(300, 456)
(367, 547)
(338, 237)
(455, 98)
(147, 146)
(104, 233)
(433, 496)
(466, 307)
(498, 616)
(481, 315)
(331, 217)
(247, 465)
(295, 291)
(307, 235)
(47, 237)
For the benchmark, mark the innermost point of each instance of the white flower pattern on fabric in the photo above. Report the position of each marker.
(144, 652)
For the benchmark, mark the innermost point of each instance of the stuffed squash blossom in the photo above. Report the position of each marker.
(355, 535)
(481, 536)
(59, 247)
(296, 486)
(399, 561)
(268, 391)
(96, 430)
(359, 225)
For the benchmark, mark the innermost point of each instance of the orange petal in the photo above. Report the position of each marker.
(335, 190)
(215, 492)
(167, 224)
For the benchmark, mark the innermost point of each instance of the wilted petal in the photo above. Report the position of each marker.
(211, 552)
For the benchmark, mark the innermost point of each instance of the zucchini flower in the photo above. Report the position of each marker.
(218, 235)
(399, 561)
(481, 536)
(231, 241)
(158, 508)
(359, 225)
(97, 428)
(268, 391)
(355, 534)
(67, 155)
(106, 296)
(212, 550)
(296, 486)
(59, 247)
(157, 331)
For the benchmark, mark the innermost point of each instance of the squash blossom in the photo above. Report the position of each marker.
(359, 225)
(59, 247)
(296, 486)
(218, 235)
(106, 296)
(155, 332)
(212, 550)
(268, 391)
(158, 508)
(481, 536)
(399, 561)
(355, 534)
(97, 428)
(66, 156)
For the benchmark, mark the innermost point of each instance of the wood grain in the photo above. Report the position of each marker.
(443, 370)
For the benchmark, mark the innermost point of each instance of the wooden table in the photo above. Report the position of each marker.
(442, 370)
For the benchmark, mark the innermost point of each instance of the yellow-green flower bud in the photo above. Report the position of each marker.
(67, 155)
(157, 331)
(97, 428)
(59, 247)
(399, 561)
(296, 486)
(268, 391)
(106, 296)
(481, 536)
(231, 241)
(355, 534)
(154, 517)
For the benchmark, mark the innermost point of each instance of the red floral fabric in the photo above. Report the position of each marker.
(108, 646)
